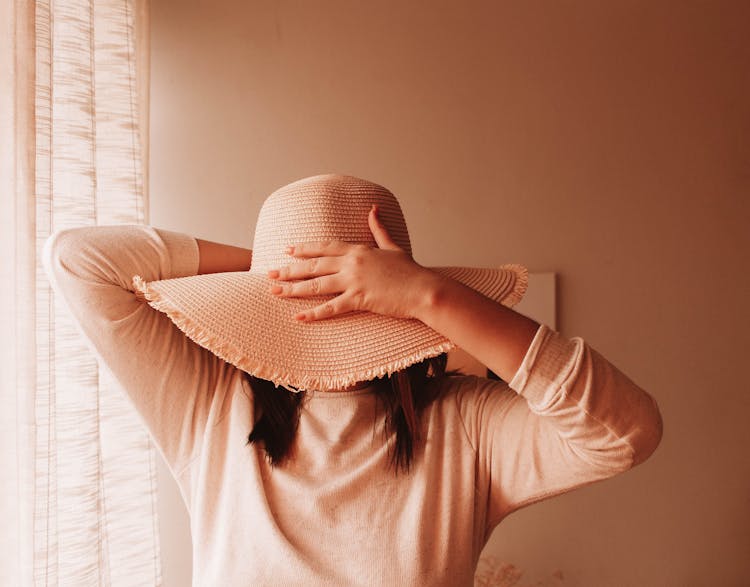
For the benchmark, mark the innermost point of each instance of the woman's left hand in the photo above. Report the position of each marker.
(383, 279)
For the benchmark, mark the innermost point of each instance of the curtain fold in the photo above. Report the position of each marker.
(79, 479)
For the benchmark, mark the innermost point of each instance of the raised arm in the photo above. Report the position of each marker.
(566, 419)
(574, 417)
(495, 335)
(172, 381)
(218, 258)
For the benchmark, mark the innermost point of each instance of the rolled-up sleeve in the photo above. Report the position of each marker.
(171, 381)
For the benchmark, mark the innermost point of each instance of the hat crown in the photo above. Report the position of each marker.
(323, 208)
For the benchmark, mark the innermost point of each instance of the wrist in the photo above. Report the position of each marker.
(428, 287)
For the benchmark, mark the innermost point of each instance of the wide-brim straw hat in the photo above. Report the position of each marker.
(235, 316)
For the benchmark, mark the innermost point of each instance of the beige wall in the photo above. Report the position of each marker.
(604, 141)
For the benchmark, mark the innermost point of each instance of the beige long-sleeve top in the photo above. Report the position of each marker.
(336, 514)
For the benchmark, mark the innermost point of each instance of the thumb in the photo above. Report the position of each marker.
(379, 231)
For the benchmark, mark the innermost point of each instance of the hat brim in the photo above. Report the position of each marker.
(235, 316)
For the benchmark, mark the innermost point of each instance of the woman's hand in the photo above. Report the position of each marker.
(383, 279)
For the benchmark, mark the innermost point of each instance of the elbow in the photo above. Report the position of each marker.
(649, 434)
(69, 254)
(58, 246)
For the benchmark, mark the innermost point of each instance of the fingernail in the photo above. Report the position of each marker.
(275, 289)
(289, 250)
(273, 273)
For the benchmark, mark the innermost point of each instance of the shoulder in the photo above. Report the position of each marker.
(480, 405)
(466, 384)
(467, 406)
(466, 393)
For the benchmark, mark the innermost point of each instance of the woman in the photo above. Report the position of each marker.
(306, 416)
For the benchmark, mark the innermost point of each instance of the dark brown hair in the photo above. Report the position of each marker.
(404, 395)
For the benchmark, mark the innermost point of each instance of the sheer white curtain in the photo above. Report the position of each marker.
(78, 471)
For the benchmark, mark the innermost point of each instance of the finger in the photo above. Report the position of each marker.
(379, 231)
(337, 305)
(311, 267)
(318, 286)
(318, 249)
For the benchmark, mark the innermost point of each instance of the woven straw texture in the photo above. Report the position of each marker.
(235, 316)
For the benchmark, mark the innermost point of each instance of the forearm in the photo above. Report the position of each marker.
(219, 258)
(495, 335)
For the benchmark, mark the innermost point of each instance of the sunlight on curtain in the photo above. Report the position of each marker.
(79, 480)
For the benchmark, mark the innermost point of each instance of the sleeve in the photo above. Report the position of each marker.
(568, 418)
(173, 383)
